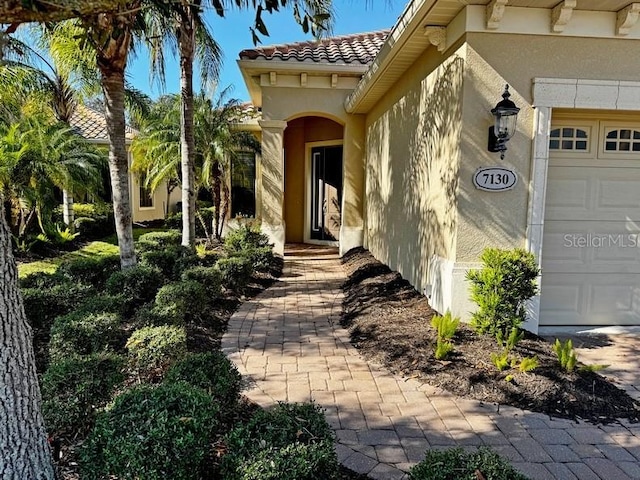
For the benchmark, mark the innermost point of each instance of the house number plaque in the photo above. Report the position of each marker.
(494, 179)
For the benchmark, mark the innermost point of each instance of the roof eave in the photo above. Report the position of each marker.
(411, 19)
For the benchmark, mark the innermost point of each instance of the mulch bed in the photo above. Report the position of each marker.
(389, 322)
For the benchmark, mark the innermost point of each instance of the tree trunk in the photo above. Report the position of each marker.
(186, 41)
(67, 210)
(24, 451)
(113, 87)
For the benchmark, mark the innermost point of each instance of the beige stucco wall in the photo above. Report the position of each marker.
(412, 163)
(298, 132)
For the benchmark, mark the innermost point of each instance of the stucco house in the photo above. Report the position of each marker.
(145, 204)
(377, 139)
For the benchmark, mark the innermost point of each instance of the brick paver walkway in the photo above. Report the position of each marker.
(288, 344)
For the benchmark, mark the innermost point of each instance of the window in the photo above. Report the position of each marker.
(243, 185)
(569, 139)
(622, 140)
(146, 195)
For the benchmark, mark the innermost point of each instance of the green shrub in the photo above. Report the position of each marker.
(445, 325)
(91, 270)
(150, 315)
(443, 349)
(282, 427)
(261, 258)
(152, 347)
(138, 284)
(456, 464)
(43, 305)
(209, 277)
(186, 261)
(187, 298)
(501, 288)
(102, 303)
(151, 433)
(236, 272)
(174, 221)
(163, 260)
(213, 373)
(158, 241)
(42, 280)
(73, 389)
(93, 221)
(291, 462)
(80, 333)
(245, 237)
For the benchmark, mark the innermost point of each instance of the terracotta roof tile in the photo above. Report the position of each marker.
(92, 124)
(356, 48)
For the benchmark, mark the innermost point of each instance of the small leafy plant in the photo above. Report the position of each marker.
(445, 325)
(443, 349)
(501, 360)
(501, 288)
(566, 354)
(528, 364)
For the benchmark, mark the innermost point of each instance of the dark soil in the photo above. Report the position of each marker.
(389, 322)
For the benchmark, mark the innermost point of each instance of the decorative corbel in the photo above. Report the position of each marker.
(437, 36)
(334, 80)
(561, 14)
(627, 18)
(303, 79)
(495, 12)
(273, 78)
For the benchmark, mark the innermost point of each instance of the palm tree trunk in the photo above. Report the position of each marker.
(186, 41)
(24, 451)
(113, 87)
(67, 209)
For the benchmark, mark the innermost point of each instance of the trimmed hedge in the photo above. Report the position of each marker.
(92, 271)
(187, 298)
(73, 389)
(209, 277)
(235, 271)
(152, 433)
(138, 285)
(81, 333)
(456, 464)
(213, 373)
(152, 347)
(295, 436)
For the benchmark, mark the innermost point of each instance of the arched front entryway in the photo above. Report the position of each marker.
(313, 180)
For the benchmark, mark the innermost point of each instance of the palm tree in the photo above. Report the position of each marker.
(188, 30)
(41, 155)
(216, 140)
(51, 82)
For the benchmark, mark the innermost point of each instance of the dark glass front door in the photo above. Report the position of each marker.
(326, 192)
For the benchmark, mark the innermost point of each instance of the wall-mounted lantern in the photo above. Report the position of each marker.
(506, 115)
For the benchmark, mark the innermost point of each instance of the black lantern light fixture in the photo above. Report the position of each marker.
(505, 116)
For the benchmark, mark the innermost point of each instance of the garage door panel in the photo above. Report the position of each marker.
(575, 299)
(589, 193)
(597, 247)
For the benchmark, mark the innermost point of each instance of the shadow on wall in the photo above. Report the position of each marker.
(412, 175)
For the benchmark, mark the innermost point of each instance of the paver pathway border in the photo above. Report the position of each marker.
(288, 344)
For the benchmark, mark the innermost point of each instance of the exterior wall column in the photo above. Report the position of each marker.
(272, 182)
(352, 228)
(537, 194)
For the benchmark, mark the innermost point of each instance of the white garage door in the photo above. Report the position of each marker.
(591, 245)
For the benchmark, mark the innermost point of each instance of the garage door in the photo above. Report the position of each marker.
(591, 245)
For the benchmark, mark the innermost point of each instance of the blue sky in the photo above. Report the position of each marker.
(232, 33)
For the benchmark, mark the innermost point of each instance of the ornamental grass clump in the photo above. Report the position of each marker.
(501, 288)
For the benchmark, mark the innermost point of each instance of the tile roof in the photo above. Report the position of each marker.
(356, 48)
(92, 124)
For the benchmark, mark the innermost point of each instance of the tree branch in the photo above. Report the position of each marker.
(20, 11)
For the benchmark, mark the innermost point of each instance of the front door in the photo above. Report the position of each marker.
(326, 193)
